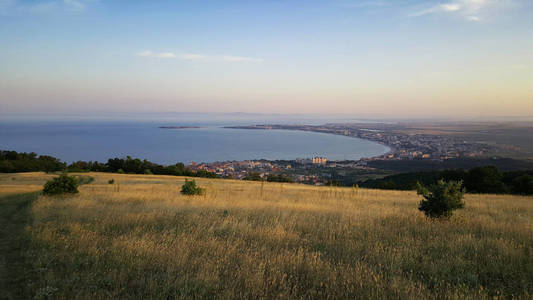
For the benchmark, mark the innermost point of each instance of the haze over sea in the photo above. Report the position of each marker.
(72, 140)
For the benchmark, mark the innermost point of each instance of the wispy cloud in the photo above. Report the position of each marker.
(191, 56)
(239, 58)
(470, 10)
(194, 56)
(40, 7)
(156, 55)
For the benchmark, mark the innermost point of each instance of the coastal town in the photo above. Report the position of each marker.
(403, 146)
(264, 168)
(317, 170)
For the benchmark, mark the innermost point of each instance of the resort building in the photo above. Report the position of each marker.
(319, 160)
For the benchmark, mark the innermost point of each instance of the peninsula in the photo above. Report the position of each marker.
(180, 127)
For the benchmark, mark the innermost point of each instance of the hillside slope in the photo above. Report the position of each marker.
(140, 238)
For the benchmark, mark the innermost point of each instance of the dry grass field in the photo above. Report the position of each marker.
(140, 238)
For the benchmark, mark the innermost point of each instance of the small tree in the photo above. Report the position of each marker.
(63, 184)
(441, 199)
(190, 188)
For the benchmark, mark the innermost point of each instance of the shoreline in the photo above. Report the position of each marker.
(306, 129)
(180, 127)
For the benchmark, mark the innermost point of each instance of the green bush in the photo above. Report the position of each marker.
(63, 184)
(278, 178)
(190, 188)
(253, 176)
(441, 199)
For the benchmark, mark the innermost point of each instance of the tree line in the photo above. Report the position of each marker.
(14, 162)
(488, 179)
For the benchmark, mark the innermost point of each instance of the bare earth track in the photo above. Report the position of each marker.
(14, 217)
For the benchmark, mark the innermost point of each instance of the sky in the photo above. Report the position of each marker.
(368, 58)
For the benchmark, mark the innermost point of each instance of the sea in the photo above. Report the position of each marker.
(99, 140)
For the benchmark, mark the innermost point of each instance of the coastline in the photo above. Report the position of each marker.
(308, 128)
(180, 127)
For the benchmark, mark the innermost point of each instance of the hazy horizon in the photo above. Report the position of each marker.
(245, 118)
(376, 59)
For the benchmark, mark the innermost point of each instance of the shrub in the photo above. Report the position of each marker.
(278, 178)
(111, 181)
(441, 199)
(148, 172)
(120, 171)
(63, 184)
(253, 176)
(190, 188)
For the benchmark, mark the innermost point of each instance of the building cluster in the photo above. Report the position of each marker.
(403, 146)
(240, 169)
(300, 170)
(423, 146)
(319, 160)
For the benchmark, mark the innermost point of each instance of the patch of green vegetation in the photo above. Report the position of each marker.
(63, 184)
(12, 161)
(441, 199)
(190, 188)
(488, 179)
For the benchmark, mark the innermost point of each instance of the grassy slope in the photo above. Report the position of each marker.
(140, 238)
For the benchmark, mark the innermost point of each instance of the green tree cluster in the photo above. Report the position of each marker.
(12, 162)
(487, 179)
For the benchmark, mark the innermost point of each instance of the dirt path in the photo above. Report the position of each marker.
(14, 216)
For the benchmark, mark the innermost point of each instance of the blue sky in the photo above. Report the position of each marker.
(367, 58)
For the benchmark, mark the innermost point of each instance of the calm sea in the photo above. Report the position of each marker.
(92, 140)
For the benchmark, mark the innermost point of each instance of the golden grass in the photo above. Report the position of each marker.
(22, 183)
(140, 238)
(9, 189)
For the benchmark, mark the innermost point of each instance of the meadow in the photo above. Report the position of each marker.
(140, 238)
